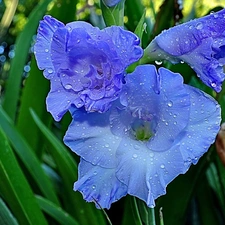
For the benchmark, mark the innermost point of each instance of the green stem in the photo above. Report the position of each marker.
(151, 216)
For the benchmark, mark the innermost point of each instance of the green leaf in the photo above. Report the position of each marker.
(56, 212)
(113, 15)
(28, 157)
(141, 26)
(23, 43)
(147, 214)
(131, 212)
(15, 189)
(134, 11)
(216, 184)
(68, 171)
(180, 192)
(164, 18)
(6, 216)
(207, 209)
(35, 83)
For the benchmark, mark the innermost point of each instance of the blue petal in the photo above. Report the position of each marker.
(99, 185)
(58, 49)
(127, 44)
(147, 172)
(199, 43)
(90, 137)
(42, 47)
(208, 69)
(184, 38)
(159, 97)
(204, 124)
(59, 100)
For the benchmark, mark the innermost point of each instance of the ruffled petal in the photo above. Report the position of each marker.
(42, 47)
(127, 44)
(99, 185)
(90, 137)
(59, 100)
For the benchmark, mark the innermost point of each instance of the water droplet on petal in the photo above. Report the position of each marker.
(136, 146)
(162, 166)
(68, 86)
(170, 103)
(199, 26)
(93, 187)
(46, 50)
(50, 70)
(106, 145)
(151, 154)
(213, 85)
(215, 15)
(135, 156)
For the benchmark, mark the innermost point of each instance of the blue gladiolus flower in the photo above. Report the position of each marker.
(200, 43)
(153, 133)
(111, 3)
(85, 65)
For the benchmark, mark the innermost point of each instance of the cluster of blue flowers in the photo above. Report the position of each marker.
(134, 132)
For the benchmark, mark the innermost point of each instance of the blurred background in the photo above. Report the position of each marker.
(37, 171)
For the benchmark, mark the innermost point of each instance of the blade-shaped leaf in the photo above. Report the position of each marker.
(28, 157)
(6, 216)
(56, 212)
(23, 44)
(68, 170)
(15, 188)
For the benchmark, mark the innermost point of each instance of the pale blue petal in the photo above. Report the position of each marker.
(159, 97)
(99, 185)
(147, 172)
(90, 137)
(204, 124)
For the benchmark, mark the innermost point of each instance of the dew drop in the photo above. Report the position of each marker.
(135, 156)
(50, 70)
(106, 145)
(215, 15)
(158, 62)
(93, 187)
(136, 146)
(151, 154)
(213, 85)
(199, 26)
(46, 50)
(170, 104)
(162, 166)
(68, 86)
